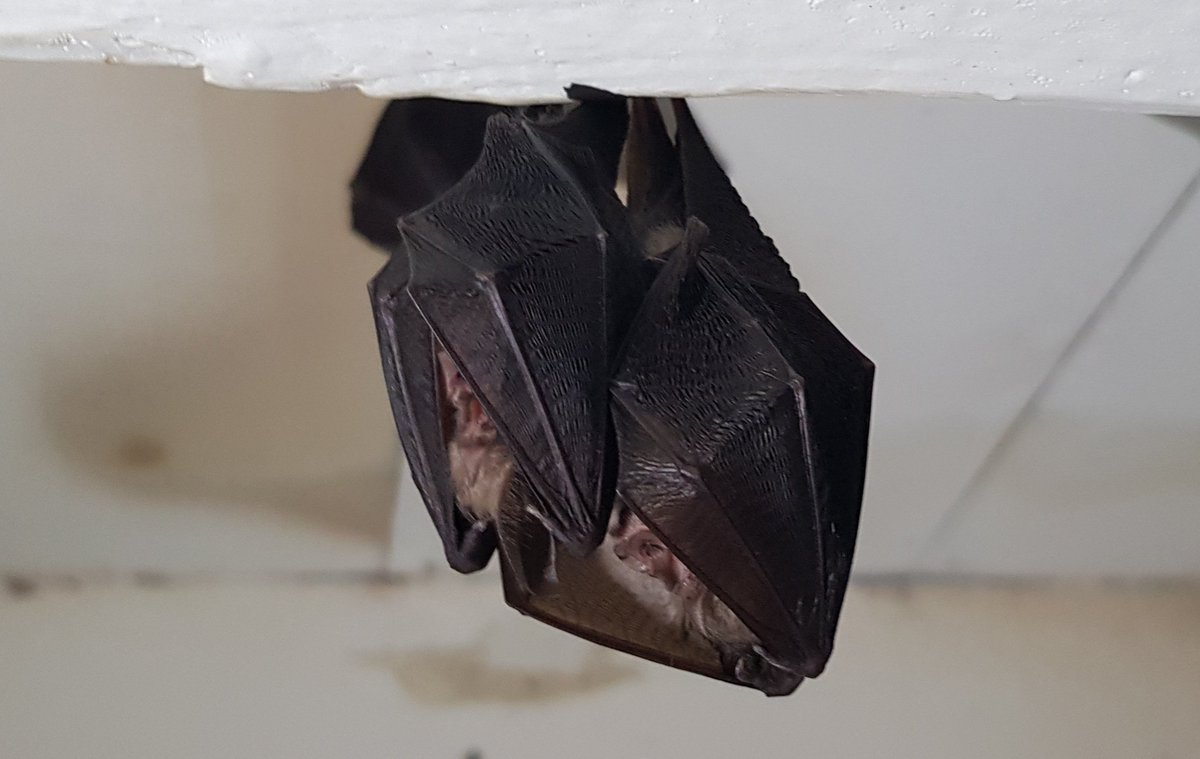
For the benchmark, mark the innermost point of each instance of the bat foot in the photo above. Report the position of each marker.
(752, 666)
(814, 665)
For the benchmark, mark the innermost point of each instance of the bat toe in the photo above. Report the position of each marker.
(814, 664)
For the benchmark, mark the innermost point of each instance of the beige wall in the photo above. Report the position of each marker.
(197, 470)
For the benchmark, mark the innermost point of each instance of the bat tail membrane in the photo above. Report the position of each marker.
(512, 268)
(711, 197)
(420, 148)
(407, 350)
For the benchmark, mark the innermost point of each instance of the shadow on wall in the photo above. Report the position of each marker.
(211, 340)
(1186, 124)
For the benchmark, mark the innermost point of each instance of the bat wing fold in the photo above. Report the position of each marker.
(420, 148)
(407, 349)
(730, 414)
(513, 270)
(712, 198)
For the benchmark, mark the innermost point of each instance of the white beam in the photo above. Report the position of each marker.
(1142, 56)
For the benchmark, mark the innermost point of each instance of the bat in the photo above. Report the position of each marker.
(498, 331)
(752, 473)
(714, 426)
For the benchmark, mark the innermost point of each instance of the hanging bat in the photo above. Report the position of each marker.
(728, 378)
(773, 439)
(742, 419)
(500, 311)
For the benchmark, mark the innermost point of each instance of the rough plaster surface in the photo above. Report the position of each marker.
(1133, 56)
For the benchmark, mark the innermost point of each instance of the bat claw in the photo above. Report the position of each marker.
(753, 667)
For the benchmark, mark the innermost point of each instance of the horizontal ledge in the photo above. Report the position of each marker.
(1103, 53)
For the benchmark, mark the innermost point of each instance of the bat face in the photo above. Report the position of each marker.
(633, 402)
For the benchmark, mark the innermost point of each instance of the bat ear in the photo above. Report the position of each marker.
(420, 148)
(710, 196)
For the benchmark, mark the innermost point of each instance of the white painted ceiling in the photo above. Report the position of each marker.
(1131, 56)
(189, 380)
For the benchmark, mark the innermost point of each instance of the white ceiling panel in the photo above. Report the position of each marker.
(960, 245)
(1104, 477)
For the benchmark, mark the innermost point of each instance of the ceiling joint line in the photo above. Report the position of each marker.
(953, 516)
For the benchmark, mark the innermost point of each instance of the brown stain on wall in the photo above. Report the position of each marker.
(18, 586)
(463, 675)
(141, 452)
(249, 380)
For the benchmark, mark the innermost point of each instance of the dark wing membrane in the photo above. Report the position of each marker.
(420, 148)
(836, 378)
(713, 448)
(588, 142)
(836, 397)
(512, 268)
(711, 197)
(742, 417)
(597, 127)
(409, 369)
